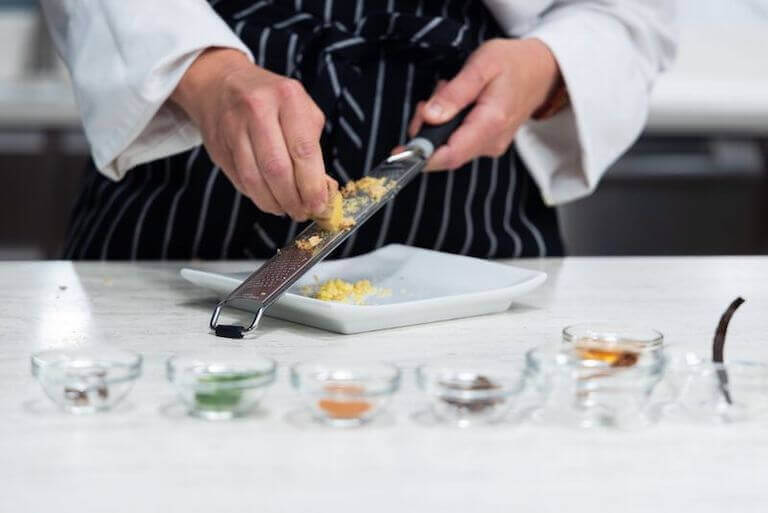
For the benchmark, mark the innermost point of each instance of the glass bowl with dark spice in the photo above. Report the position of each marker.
(344, 393)
(86, 380)
(592, 387)
(219, 386)
(471, 392)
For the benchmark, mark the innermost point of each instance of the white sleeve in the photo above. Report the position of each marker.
(125, 59)
(609, 54)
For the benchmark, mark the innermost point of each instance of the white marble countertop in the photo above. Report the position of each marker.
(147, 456)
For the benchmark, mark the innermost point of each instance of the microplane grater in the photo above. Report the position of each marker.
(279, 273)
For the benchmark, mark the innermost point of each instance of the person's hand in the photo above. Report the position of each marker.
(508, 80)
(262, 129)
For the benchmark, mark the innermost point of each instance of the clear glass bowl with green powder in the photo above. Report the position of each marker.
(220, 386)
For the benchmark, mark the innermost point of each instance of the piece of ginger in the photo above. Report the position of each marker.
(332, 219)
(309, 243)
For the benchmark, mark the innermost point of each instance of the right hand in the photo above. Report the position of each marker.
(261, 128)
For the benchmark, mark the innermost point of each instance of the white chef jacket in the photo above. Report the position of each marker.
(127, 57)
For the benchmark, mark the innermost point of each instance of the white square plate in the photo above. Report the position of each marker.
(425, 286)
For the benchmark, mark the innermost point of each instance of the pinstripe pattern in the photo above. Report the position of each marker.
(540, 244)
(468, 219)
(124, 206)
(204, 211)
(487, 210)
(145, 210)
(175, 202)
(508, 209)
(384, 231)
(351, 133)
(123, 187)
(81, 213)
(380, 77)
(365, 63)
(353, 105)
(446, 213)
(264, 236)
(232, 225)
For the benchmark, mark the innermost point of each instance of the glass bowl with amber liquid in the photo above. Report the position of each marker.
(594, 383)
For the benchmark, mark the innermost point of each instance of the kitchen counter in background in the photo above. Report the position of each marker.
(148, 456)
(717, 83)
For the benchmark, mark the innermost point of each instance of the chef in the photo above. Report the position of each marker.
(215, 127)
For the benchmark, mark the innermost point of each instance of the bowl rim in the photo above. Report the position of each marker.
(120, 370)
(510, 384)
(189, 375)
(386, 383)
(657, 364)
(654, 341)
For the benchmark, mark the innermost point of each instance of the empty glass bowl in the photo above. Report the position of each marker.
(582, 388)
(217, 386)
(345, 394)
(86, 380)
(470, 392)
(727, 392)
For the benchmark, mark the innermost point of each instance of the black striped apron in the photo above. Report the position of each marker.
(366, 63)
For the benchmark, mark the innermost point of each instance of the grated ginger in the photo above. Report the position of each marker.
(343, 204)
(309, 243)
(343, 291)
(374, 188)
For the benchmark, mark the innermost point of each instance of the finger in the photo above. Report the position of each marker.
(459, 92)
(439, 160)
(274, 162)
(302, 125)
(397, 149)
(251, 182)
(417, 121)
(227, 165)
(418, 116)
(485, 132)
(332, 185)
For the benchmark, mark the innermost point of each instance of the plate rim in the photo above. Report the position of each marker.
(535, 279)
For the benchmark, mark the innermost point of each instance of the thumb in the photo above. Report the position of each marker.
(456, 94)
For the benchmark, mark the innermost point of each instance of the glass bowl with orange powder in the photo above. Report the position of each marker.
(345, 394)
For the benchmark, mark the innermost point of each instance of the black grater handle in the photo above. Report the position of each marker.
(437, 135)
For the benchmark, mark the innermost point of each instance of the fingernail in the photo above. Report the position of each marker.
(435, 109)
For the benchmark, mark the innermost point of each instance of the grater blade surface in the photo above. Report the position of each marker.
(279, 273)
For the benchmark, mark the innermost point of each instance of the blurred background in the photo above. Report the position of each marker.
(695, 183)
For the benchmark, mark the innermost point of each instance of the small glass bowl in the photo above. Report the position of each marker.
(470, 393)
(705, 391)
(86, 380)
(219, 387)
(603, 336)
(345, 394)
(582, 388)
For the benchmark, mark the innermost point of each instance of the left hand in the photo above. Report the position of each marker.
(508, 80)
